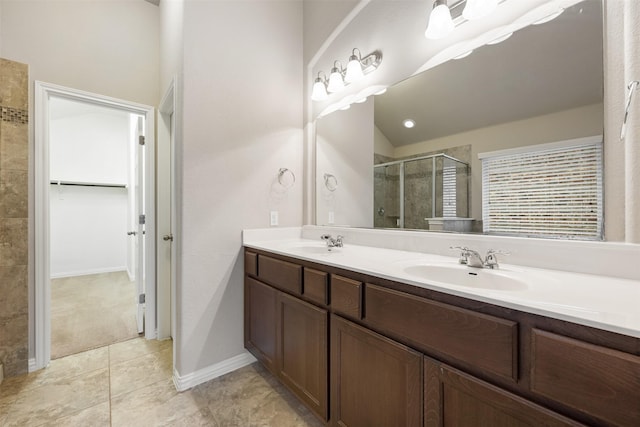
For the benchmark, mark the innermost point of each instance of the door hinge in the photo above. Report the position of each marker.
(141, 299)
(141, 139)
(141, 219)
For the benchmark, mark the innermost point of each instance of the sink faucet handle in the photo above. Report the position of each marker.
(339, 238)
(325, 236)
(491, 260)
(464, 253)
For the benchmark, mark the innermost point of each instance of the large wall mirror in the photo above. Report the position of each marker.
(540, 89)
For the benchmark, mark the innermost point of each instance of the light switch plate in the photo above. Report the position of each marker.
(274, 218)
(331, 218)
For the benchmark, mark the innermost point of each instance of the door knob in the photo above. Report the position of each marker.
(167, 237)
(131, 233)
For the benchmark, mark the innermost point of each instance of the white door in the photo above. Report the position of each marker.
(165, 217)
(139, 221)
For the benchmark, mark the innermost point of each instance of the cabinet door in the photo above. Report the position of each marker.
(453, 398)
(374, 380)
(302, 351)
(260, 321)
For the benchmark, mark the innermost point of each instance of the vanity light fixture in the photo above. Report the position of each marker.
(339, 77)
(319, 92)
(476, 9)
(354, 67)
(440, 22)
(336, 82)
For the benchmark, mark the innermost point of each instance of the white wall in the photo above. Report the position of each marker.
(242, 122)
(344, 149)
(88, 225)
(88, 230)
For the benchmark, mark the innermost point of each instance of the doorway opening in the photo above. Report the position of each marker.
(94, 188)
(95, 222)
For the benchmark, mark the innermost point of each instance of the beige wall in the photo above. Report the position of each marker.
(14, 324)
(107, 47)
(344, 149)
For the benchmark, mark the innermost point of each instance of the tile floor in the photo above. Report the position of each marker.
(130, 384)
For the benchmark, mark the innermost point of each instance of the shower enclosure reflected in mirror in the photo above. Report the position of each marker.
(428, 192)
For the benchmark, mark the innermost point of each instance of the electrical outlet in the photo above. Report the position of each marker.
(274, 218)
(331, 218)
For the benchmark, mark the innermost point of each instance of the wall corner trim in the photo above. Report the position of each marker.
(185, 382)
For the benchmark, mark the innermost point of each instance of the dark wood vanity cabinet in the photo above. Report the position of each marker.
(362, 351)
(374, 381)
(302, 351)
(288, 335)
(454, 398)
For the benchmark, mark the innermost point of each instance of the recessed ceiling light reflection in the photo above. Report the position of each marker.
(408, 123)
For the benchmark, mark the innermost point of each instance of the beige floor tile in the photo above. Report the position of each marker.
(95, 416)
(140, 372)
(57, 399)
(135, 348)
(70, 366)
(251, 396)
(159, 404)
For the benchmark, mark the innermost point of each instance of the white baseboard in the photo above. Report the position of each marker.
(188, 381)
(88, 272)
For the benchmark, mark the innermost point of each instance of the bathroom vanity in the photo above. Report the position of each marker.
(362, 347)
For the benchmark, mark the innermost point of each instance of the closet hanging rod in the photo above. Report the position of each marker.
(88, 184)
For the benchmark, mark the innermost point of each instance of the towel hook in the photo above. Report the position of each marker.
(283, 173)
(632, 87)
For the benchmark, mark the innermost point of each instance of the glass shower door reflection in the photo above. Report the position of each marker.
(386, 196)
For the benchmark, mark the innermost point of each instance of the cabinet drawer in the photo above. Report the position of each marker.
(599, 381)
(346, 296)
(281, 274)
(316, 286)
(251, 263)
(486, 342)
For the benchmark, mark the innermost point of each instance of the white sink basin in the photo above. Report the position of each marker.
(461, 275)
(318, 248)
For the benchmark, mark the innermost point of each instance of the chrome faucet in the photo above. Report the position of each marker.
(474, 259)
(331, 242)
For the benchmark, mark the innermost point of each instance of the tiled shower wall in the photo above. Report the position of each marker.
(14, 161)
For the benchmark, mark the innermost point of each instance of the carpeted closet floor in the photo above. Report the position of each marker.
(91, 311)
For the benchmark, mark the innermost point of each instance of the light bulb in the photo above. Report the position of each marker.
(354, 70)
(319, 92)
(408, 123)
(476, 9)
(440, 22)
(335, 81)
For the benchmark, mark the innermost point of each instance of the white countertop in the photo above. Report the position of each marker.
(602, 302)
